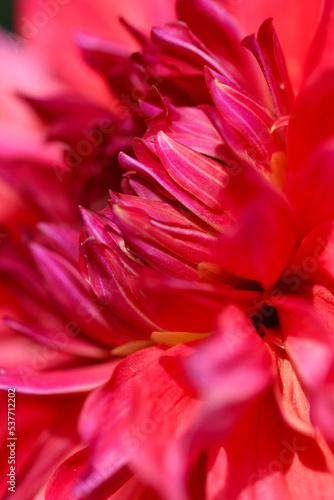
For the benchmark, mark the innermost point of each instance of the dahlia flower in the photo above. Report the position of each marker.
(198, 354)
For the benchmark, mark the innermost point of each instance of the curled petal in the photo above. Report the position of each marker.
(267, 50)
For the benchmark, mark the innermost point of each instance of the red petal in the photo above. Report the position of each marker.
(309, 188)
(273, 462)
(268, 53)
(291, 398)
(295, 36)
(307, 341)
(179, 305)
(311, 121)
(268, 223)
(320, 55)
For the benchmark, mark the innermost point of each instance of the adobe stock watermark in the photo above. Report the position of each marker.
(40, 358)
(97, 132)
(292, 280)
(233, 3)
(94, 135)
(59, 341)
(3, 237)
(267, 474)
(47, 9)
(264, 311)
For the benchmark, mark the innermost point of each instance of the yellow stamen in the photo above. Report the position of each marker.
(130, 347)
(279, 168)
(175, 338)
(210, 272)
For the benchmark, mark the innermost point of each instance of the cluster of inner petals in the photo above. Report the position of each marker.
(206, 259)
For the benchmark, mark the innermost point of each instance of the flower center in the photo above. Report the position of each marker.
(264, 316)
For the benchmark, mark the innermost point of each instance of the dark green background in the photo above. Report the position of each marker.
(6, 15)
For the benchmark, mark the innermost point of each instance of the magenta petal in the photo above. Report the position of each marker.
(63, 480)
(322, 409)
(291, 398)
(72, 294)
(192, 171)
(216, 369)
(59, 340)
(188, 126)
(309, 345)
(60, 239)
(96, 227)
(66, 381)
(222, 35)
(151, 169)
(249, 119)
(162, 234)
(177, 37)
(114, 285)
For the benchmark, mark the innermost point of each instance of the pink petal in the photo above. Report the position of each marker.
(162, 235)
(104, 421)
(161, 412)
(228, 370)
(191, 170)
(60, 239)
(177, 38)
(309, 345)
(22, 73)
(63, 480)
(115, 286)
(245, 116)
(314, 260)
(59, 340)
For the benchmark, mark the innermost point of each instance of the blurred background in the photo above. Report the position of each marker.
(6, 17)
